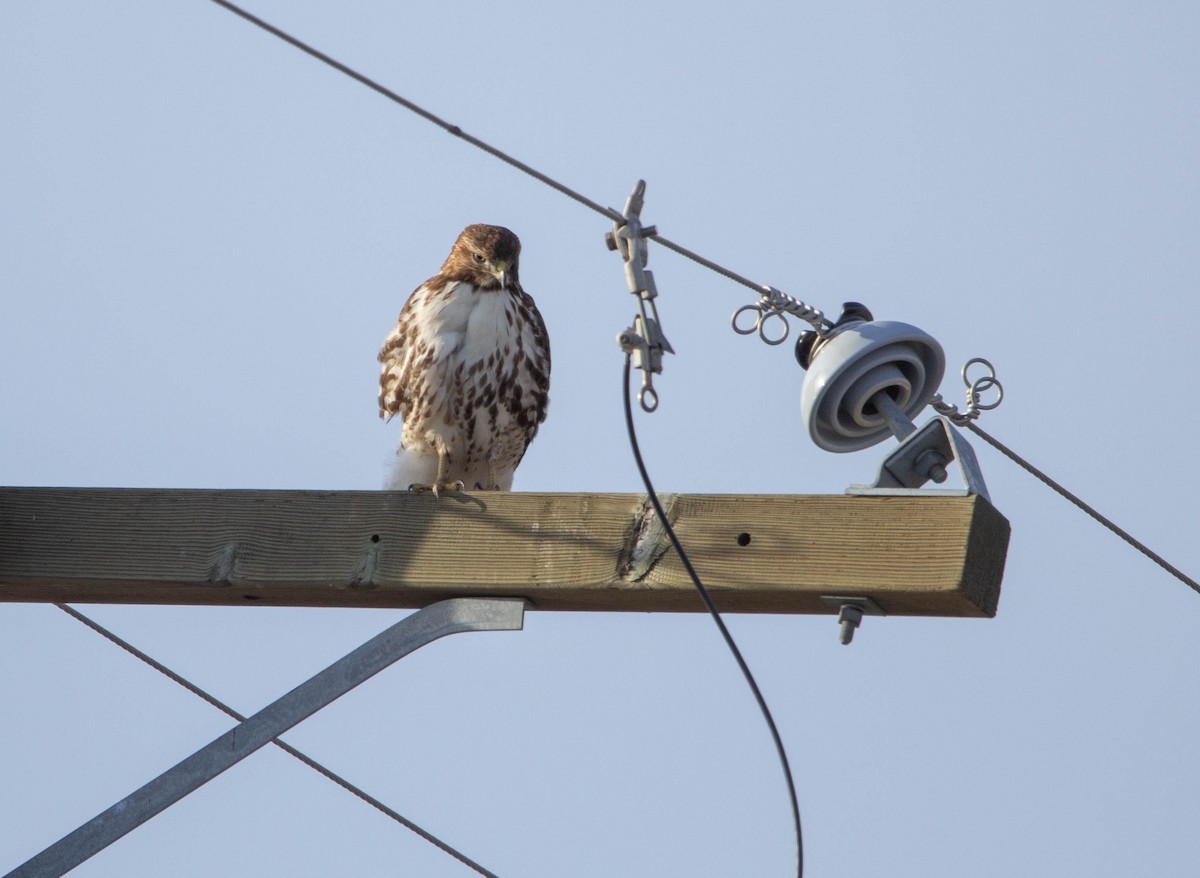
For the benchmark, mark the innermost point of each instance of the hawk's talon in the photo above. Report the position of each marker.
(437, 487)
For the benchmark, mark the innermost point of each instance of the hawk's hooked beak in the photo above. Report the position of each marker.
(500, 270)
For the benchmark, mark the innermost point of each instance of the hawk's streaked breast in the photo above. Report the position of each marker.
(467, 366)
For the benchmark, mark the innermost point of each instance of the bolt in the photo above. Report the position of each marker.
(932, 465)
(849, 618)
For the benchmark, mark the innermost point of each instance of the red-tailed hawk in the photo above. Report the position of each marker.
(467, 368)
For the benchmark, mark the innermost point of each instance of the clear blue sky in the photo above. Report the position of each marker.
(206, 235)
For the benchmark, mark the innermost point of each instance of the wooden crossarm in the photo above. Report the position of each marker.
(913, 555)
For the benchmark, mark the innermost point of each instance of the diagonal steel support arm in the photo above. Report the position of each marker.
(409, 634)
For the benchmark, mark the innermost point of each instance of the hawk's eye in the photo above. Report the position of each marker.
(478, 257)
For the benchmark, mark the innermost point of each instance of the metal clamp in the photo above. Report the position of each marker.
(924, 455)
(644, 341)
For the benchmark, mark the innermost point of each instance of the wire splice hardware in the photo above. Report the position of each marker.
(644, 340)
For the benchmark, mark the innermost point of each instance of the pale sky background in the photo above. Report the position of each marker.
(205, 235)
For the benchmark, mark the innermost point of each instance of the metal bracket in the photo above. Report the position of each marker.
(924, 455)
(644, 340)
(454, 616)
(850, 613)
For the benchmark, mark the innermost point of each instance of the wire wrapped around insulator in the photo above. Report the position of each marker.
(975, 389)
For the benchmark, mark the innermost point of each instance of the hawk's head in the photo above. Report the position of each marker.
(485, 256)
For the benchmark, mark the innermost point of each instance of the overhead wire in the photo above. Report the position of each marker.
(1082, 506)
(278, 742)
(450, 128)
(716, 617)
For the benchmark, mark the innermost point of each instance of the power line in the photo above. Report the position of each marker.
(420, 111)
(287, 748)
(607, 212)
(716, 616)
(1067, 495)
